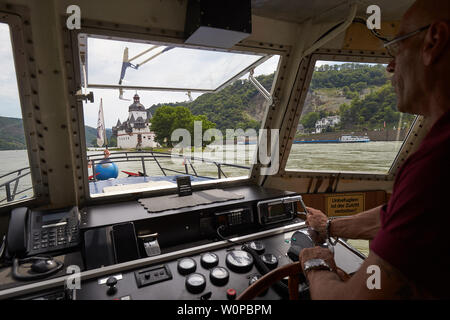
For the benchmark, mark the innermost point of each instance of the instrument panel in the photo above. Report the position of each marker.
(220, 274)
(198, 253)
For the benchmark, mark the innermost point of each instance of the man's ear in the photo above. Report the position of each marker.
(436, 42)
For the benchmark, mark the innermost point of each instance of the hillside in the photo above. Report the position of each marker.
(239, 105)
(12, 134)
(361, 94)
(91, 135)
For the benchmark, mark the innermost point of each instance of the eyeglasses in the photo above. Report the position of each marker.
(393, 46)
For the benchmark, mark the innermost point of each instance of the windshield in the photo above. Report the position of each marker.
(155, 136)
(159, 66)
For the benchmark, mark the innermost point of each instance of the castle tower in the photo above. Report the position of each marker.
(134, 133)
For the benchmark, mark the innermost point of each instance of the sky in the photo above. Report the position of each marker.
(179, 67)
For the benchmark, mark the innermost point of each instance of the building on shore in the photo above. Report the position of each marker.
(134, 133)
(328, 122)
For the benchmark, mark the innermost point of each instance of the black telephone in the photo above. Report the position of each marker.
(32, 233)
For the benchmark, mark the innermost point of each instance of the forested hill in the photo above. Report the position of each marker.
(12, 135)
(355, 76)
(239, 105)
(359, 93)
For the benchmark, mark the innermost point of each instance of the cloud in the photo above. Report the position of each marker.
(179, 67)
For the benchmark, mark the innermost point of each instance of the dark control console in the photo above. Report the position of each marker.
(212, 251)
(213, 274)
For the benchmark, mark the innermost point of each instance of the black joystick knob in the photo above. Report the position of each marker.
(111, 283)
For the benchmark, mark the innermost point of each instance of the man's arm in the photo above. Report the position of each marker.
(364, 225)
(327, 285)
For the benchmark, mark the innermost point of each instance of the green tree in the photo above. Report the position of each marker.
(168, 118)
(309, 120)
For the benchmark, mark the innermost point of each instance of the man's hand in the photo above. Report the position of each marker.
(321, 253)
(317, 220)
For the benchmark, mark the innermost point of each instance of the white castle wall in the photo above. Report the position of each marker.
(129, 141)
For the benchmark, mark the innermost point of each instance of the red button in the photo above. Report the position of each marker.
(231, 294)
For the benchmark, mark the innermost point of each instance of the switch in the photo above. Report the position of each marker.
(111, 283)
(152, 275)
(231, 294)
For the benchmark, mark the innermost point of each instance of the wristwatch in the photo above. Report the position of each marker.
(333, 243)
(316, 264)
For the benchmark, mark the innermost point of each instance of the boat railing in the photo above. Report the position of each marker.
(156, 157)
(13, 178)
(12, 184)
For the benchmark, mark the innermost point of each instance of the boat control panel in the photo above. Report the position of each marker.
(209, 246)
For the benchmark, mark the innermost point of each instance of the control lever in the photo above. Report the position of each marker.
(313, 234)
(151, 244)
(279, 287)
(111, 283)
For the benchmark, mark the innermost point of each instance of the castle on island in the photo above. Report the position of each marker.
(134, 133)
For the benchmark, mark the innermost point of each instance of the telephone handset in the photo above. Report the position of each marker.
(17, 232)
(32, 233)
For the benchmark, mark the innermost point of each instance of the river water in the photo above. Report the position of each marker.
(373, 157)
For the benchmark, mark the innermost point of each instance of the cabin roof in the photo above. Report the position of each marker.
(325, 10)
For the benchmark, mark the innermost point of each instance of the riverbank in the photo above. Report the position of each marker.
(165, 150)
(381, 135)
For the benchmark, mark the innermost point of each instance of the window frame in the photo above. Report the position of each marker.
(102, 29)
(263, 57)
(18, 20)
(355, 57)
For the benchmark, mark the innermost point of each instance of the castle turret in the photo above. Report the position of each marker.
(135, 131)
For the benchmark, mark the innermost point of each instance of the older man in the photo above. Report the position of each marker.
(410, 234)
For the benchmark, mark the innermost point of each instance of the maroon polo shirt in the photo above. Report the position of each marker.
(415, 225)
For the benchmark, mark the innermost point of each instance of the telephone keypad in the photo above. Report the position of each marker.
(55, 238)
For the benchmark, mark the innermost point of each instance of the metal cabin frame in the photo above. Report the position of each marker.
(49, 78)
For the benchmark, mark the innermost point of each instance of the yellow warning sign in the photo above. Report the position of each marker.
(345, 204)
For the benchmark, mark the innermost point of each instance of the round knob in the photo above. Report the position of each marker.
(231, 294)
(209, 260)
(239, 261)
(258, 246)
(195, 283)
(186, 266)
(270, 260)
(111, 283)
(219, 276)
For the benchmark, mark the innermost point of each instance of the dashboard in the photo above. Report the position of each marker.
(208, 251)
